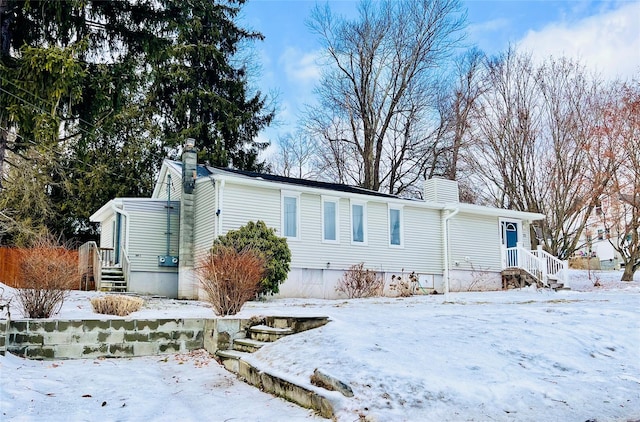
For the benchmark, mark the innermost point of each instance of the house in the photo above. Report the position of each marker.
(152, 245)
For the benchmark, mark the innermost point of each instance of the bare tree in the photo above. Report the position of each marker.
(620, 131)
(534, 130)
(379, 86)
(296, 156)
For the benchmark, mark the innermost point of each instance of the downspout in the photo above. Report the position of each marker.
(447, 214)
(220, 197)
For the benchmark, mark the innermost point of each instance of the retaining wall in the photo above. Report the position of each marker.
(73, 339)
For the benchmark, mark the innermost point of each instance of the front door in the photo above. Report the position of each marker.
(510, 239)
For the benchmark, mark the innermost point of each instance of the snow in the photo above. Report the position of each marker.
(519, 355)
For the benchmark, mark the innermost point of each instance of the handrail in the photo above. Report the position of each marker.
(125, 267)
(539, 263)
(89, 264)
(522, 258)
(554, 266)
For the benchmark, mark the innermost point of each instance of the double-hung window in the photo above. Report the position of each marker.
(291, 215)
(395, 226)
(358, 222)
(330, 226)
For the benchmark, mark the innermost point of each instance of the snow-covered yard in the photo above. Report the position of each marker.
(523, 355)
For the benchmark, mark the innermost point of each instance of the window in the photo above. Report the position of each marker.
(395, 226)
(290, 215)
(358, 223)
(330, 227)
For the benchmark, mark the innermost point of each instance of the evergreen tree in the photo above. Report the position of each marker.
(110, 88)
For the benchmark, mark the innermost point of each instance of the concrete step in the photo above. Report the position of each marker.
(230, 359)
(247, 345)
(268, 334)
(297, 324)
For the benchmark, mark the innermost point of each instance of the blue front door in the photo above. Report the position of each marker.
(510, 240)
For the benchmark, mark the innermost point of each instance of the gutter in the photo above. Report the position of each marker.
(447, 214)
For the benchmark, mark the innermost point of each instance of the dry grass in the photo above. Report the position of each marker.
(231, 278)
(358, 282)
(116, 304)
(48, 272)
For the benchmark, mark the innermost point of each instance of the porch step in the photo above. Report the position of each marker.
(112, 280)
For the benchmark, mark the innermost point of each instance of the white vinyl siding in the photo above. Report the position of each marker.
(176, 186)
(395, 226)
(474, 243)
(422, 251)
(241, 204)
(147, 237)
(330, 221)
(204, 228)
(107, 230)
(358, 222)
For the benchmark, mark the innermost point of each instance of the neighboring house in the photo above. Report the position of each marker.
(606, 226)
(156, 243)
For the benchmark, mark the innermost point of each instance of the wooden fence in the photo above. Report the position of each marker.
(10, 266)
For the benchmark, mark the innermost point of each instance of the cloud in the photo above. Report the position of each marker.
(608, 42)
(300, 67)
(493, 25)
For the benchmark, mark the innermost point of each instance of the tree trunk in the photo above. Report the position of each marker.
(628, 272)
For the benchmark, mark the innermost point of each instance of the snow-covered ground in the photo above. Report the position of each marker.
(521, 355)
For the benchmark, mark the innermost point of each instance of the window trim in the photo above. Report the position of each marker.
(336, 201)
(363, 204)
(400, 209)
(290, 194)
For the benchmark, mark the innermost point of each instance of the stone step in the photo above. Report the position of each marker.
(297, 324)
(268, 334)
(247, 345)
(230, 359)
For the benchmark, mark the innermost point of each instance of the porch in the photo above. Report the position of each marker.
(101, 269)
(536, 266)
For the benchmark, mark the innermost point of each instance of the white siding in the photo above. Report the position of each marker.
(147, 233)
(474, 243)
(106, 232)
(241, 204)
(422, 232)
(205, 220)
(176, 187)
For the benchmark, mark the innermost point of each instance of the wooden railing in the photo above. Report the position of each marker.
(540, 264)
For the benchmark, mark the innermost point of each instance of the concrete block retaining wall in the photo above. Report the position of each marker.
(73, 339)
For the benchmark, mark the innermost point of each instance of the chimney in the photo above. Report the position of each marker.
(441, 190)
(186, 276)
(189, 166)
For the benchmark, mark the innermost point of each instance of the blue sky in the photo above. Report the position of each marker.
(605, 35)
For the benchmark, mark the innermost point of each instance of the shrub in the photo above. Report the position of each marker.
(358, 282)
(231, 278)
(116, 304)
(273, 249)
(405, 286)
(48, 272)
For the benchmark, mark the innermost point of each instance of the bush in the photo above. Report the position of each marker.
(48, 272)
(405, 286)
(231, 278)
(358, 282)
(273, 249)
(116, 304)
